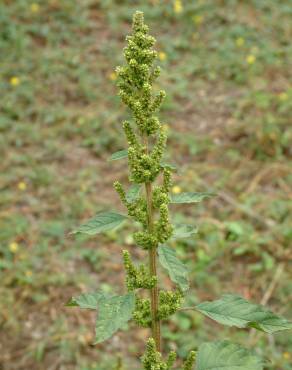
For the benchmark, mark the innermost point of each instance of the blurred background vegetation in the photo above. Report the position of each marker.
(229, 96)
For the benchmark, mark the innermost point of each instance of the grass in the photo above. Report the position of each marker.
(226, 71)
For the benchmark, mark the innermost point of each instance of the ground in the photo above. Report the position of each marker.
(228, 82)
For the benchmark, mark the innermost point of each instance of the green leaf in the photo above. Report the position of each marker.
(101, 222)
(226, 356)
(113, 313)
(190, 197)
(233, 310)
(133, 193)
(183, 231)
(87, 300)
(119, 155)
(168, 165)
(177, 270)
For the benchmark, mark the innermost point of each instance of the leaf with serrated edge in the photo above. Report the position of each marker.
(190, 197)
(176, 269)
(101, 222)
(87, 300)
(226, 356)
(113, 313)
(119, 155)
(133, 192)
(233, 310)
(183, 231)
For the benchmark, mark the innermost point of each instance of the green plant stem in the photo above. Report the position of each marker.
(154, 293)
(153, 271)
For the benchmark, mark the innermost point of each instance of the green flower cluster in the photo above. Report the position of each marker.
(135, 89)
(152, 360)
(137, 209)
(137, 277)
(169, 303)
(146, 138)
(142, 312)
(190, 361)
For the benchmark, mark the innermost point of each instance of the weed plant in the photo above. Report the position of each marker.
(147, 201)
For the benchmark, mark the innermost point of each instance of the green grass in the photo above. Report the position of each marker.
(226, 71)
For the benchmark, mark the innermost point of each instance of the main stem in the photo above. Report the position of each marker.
(153, 271)
(154, 294)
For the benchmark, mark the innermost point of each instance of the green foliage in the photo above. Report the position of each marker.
(133, 193)
(147, 141)
(177, 271)
(226, 355)
(59, 124)
(233, 310)
(103, 221)
(190, 197)
(119, 155)
(183, 231)
(87, 300)
(113, 313)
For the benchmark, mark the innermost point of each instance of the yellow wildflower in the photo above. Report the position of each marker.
(13, 247)
(22, 185)
(81, 121)
(34, 7)
(28, 273)
(283, 96)
(240, 41)
(177, 6)
(162, 56)
(83, 188)
(112, 76)
(14, 81)
(286, 355)
(176, 189)
(198, 19)
(250, 59)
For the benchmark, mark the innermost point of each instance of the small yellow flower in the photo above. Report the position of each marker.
(34, 8)
(14, 81)
(176, 189)
(162, 56)
(13, 247)
(240, 41)
(198, 19)
(83, 188)
(286, 355)
(250, 59)
(283, 96)
(22, 185)
(177, 6)
(81, 121)
(112, 76)
(28, 273)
